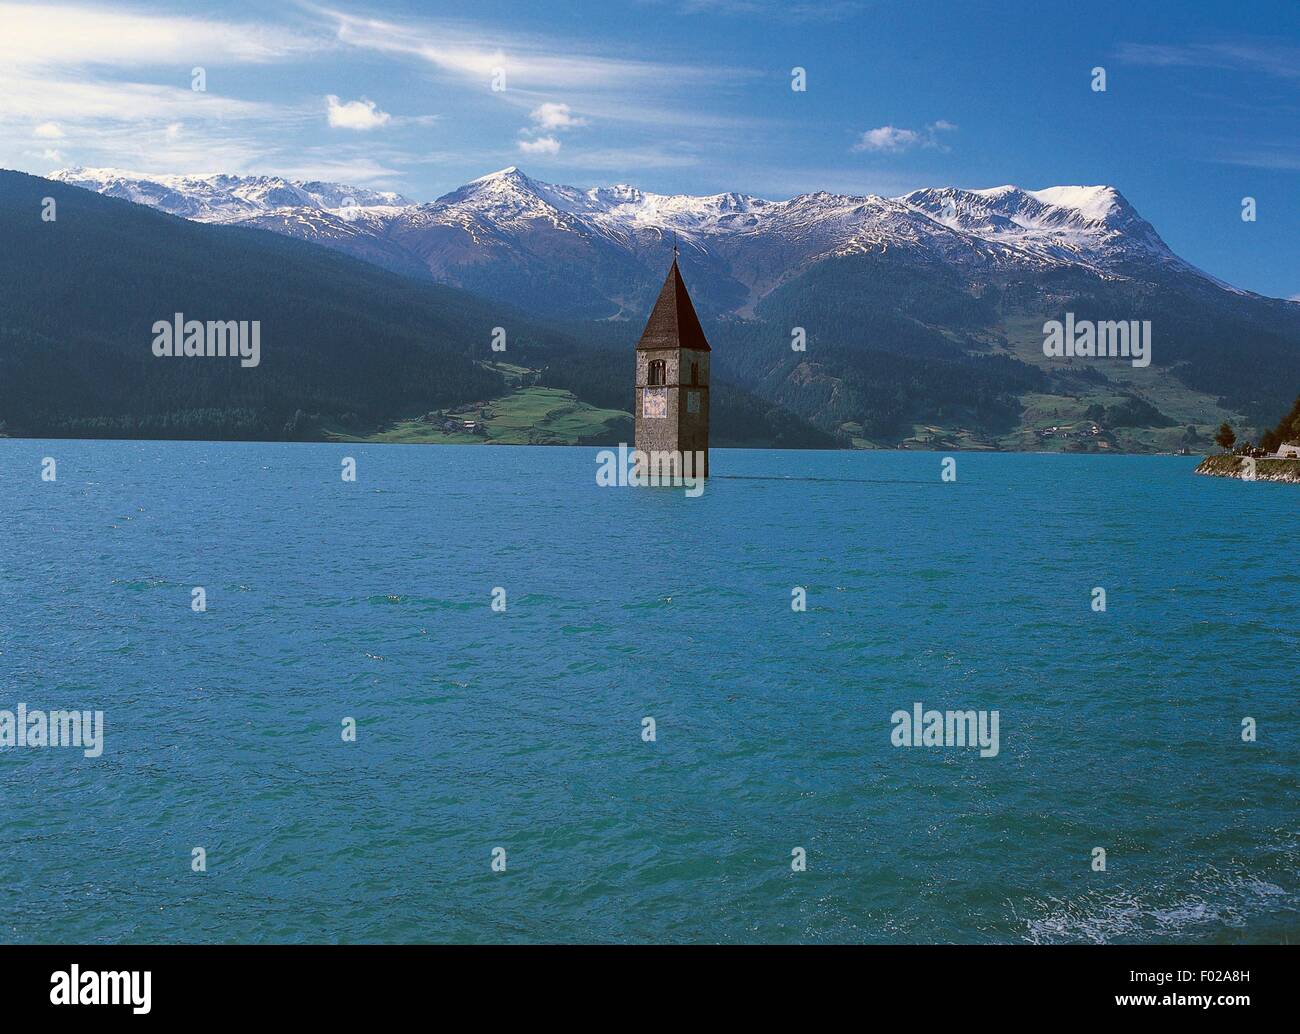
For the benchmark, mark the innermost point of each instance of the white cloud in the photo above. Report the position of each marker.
(548, 119)
(630, 161)
(362, 114)
(55, 35)
(821, 10)
(1266, 157)
(893, 140)
(69, 69)
(333, 170)
(110, 85)
(551, 116)
(529, 62)
(69, 100)
(1278, 59)
(542, 145)
(887, 138)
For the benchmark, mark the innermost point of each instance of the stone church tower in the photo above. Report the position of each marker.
(672, 377)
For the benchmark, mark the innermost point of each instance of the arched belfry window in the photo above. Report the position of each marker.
(658, 371)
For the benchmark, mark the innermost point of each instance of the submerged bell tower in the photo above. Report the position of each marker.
(672, 378)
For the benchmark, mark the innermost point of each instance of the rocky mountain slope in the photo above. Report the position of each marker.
(923, 313)
(506, 229)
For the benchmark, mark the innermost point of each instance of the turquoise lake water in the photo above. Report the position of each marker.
(523, 729)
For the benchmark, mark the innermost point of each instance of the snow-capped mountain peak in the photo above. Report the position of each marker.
(1095, 204)
(218, 197)
(1090, 226)
(749, 244)
(509, 172)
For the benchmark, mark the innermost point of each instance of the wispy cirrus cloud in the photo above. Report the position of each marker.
(127, 122)
(677, 155)
(79, 70)
(316, 165)
(72, 74)
(619, 97)
(72, 100)
(529, 62)
(1268, 57)
(46, 35)
(527, 70)
(1260, 138)
(116, 83)
(1283, 158)
(775, 10)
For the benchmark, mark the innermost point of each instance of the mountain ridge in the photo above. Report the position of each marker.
(505, 215)
(923, 314)
(347, 349)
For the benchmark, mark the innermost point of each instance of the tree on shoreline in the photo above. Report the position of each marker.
(1287, 430)
(1226, 437)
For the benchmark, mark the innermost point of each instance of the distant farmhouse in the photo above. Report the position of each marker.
(1288, 451)
(672, 378)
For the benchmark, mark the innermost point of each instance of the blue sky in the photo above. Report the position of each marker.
(1201, 108)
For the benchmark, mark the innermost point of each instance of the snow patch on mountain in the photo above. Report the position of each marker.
(1094, 203)
(508, 216)
(222, 198)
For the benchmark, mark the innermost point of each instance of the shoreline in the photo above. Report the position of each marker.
(356, 440)
(1238, 467)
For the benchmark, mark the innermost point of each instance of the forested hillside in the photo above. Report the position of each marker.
(342, 342)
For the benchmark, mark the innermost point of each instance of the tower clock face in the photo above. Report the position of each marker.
(654, 404)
